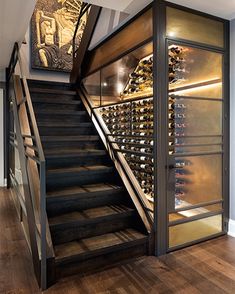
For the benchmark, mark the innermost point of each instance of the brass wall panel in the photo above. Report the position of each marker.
(135, 33)
(193, 27)
(195, 230)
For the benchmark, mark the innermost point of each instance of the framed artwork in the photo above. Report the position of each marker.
(52, 29)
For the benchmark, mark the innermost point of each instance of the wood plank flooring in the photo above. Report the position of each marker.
(205, 268)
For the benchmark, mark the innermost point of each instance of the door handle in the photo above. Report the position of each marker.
(172, 166)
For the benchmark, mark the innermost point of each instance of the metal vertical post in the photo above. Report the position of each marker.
(160, 125)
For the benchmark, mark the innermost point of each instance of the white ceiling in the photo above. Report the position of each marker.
(14, 20)
(221, 8)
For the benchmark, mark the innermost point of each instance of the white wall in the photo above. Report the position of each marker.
(39, 74)
(2, 75)
(1, 141)
(232, 130)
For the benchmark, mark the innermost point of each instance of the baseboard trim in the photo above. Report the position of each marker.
(231, 228)
(3, 183)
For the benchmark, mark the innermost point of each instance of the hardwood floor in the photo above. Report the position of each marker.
(205, 268)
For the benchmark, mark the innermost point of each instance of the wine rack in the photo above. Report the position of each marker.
(141, 79)
(177, 126)
(131, 124)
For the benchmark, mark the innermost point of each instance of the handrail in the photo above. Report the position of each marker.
(33, 167)
(85, 7)
(123, 168)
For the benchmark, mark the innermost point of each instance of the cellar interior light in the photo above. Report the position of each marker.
(171, 34)
(120, 87)
(105, 84)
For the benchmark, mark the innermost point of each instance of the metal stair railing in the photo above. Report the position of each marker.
(24, 136)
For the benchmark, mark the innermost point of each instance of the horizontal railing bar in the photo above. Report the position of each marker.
(14, 145)
(124, 101)
(34, 158)
(197, 85)
(197, 136)
(195, 154)
(197, 145)
(195, 217)
(20, 197)
(31, 146)
(195, 98)
(22, 101)
(197, 205)
(28, 136)
(148, 209)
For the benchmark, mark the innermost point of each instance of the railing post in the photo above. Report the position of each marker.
(43, 217)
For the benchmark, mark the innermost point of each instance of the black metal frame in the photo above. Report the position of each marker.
(160, 10)
(160, 94)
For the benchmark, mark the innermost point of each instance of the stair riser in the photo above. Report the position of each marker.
(52, 107)
(68, 118)
(48, 131)
(57, 97)
(65, 233)
(60, 205)
(101, 262)
(74, 180)
(49, 85)
(77, 161)
(79, 145)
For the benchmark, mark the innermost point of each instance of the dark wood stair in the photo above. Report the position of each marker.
(92, 219)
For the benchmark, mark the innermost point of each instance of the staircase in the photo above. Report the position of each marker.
(92, 220)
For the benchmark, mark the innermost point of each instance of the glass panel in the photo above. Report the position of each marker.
(138, 31)
(92, 86)
(197, 72)
(192, 231)
(129, 77)
(197, 179)
(193, 212)
(195, 117)
(18, 181)
(189, 26)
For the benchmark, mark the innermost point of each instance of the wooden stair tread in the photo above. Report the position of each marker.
(85, 190)
(80, 169)
(70, 138)
(98, 245)
(90, 214)
(52, 91)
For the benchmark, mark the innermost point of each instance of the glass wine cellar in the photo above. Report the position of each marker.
(160, 86)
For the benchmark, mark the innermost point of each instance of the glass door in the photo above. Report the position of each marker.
(195, 139)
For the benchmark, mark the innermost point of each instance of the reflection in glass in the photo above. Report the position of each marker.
(197, 179)
(129, 77)
(92, 86)
(196, 117)
(200, 74)
(194, 212)
(192, 231)
(189, 26)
